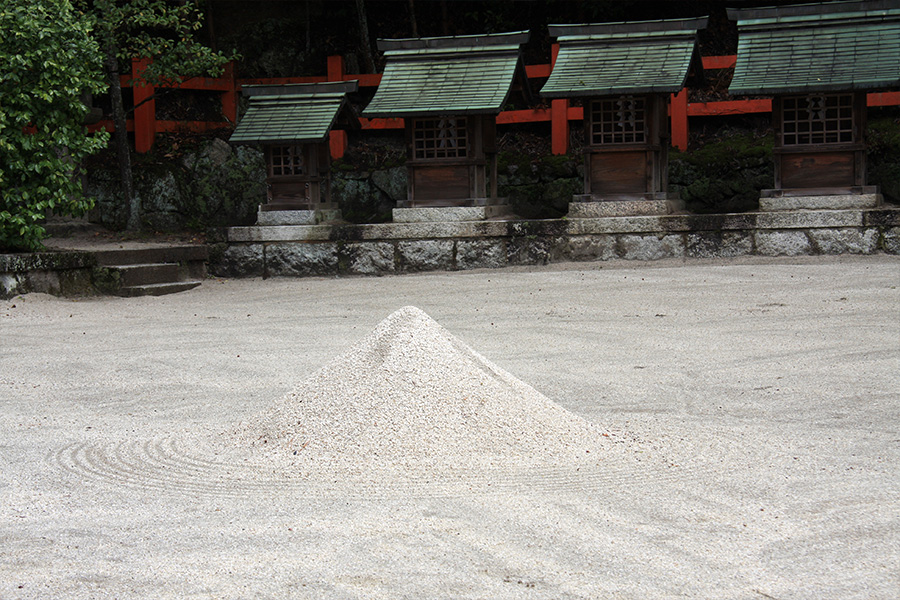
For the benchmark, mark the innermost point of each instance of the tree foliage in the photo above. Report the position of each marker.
(161, 31)
(48, 59)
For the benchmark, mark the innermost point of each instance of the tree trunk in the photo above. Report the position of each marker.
(364, 35)
(210, 26)
(308, 31)
(412, 19)
(120, 139)
(445, 18)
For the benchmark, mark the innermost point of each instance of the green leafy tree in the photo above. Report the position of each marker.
(48, 59)
(159, 30)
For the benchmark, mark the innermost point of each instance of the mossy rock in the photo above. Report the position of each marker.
(553, 167)
(361, 201)
(725, 175)
(558, 194)
(883, 155)
(212, 185)
(392, 182)
(542, 200)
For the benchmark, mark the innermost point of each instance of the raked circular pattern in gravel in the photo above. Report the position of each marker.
(409, 410)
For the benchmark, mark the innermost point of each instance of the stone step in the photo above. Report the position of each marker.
(157, 254)
(137, 275)
(158, 289)
(296, 217)
(149, 271)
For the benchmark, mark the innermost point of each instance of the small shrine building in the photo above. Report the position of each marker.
(818, 61)
(449, 91)
(624, 73)
(292, 123)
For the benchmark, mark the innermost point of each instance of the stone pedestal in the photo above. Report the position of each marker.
(587, 206)
(450, 213)
(297, 217)
(781, 200)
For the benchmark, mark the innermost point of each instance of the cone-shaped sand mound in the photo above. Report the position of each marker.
(412, 397)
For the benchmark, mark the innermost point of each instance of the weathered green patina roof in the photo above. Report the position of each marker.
(291, 114)
(447, 75)
(622, 58)
(817, 48)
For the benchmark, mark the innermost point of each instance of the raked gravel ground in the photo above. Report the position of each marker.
(745, 417)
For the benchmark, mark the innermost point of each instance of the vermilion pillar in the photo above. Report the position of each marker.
(559, 126)
(559, 115)
(678, 110)
(337, 142)
(229, 98)
(337, 139)
(335, 68)
(145, 108)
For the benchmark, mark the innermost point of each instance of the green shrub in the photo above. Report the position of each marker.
(883, 155)
(48, 59)
(539, 186)
(724, 175)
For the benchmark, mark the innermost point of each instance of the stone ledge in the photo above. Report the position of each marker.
(44, 261)
(296, 217)
(57, 273)
(881, 217)
(409, 247)
(809, 219)
(390, 231)
(585, 209)
(820, 202)
(445, 214)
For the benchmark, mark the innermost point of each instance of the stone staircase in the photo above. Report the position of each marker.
(152, 271)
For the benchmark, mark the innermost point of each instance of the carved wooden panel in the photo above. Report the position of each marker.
(618, 173)
(299, 194)
(447, 182)
(817, 170)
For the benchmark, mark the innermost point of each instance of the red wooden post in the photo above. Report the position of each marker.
(335, 68)
(559, 126)
(145, 109)
(883, 99)
(678, 110)
(337, 142)
(559, 115)
(229, 97)
(337, 139)
(554, 52)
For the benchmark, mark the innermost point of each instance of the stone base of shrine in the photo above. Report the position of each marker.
(296, 217)
(586, 206)
(443, 214)
(856, 198)
(382, 248)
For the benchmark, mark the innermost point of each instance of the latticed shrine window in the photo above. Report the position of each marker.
(817, 119)
(440, 138)
(286, 160)
(620, 120)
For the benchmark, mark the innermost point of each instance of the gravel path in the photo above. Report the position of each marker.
(743, 422)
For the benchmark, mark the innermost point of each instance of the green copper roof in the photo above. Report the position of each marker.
(622, 58)
(291, 114)
(817, 47)
(447, 76)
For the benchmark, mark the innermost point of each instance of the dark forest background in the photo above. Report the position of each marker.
(728, 161)
(283, 38)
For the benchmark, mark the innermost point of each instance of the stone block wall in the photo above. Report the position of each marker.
(56, 273)
(325, 250)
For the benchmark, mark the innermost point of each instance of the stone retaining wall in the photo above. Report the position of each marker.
(57, 273)
(297, 251)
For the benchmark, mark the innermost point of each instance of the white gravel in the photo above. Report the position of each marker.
(413, 400)
(751, 408)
